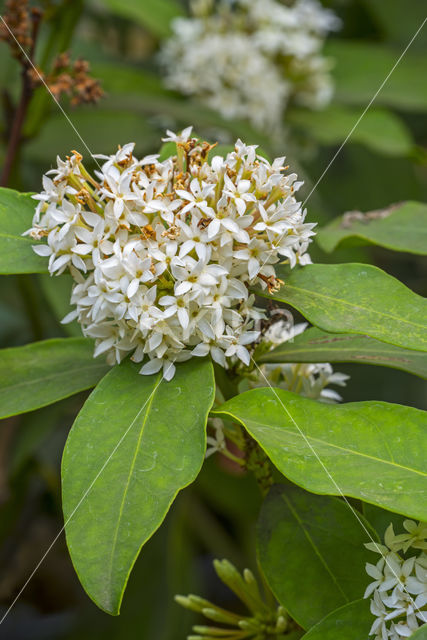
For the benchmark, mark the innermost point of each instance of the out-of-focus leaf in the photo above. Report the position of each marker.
(352, 622)
(155, 15)
(356, 298)
(421, 634)
(315, 345)
(380, 519)
(401, 227)
(137, 441)
(57, 290)
(44, 372)
(16, 215)
(354, 449)
(317, 543)
(399, 21)
(380, 130)
(361, 67)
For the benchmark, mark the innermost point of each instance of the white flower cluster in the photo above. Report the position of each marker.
(308, 379)
(399, 590)
(163, 252)
(248, 58)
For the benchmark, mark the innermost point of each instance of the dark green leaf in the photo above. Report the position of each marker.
(44, 372)
(317, 543)
(380, 519)
(137, 441)
(16, 215)
(351, 622)
(402, 227)
(361, 67)
(375, 451)
(356, 298)
(380, 130)
(57, 290)
(315, 345)
(156, 15)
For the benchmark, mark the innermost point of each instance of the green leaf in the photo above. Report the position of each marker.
(401, 227)
(380, 130)
(315, 345)
(375, 451)
(421, 634)
(351, 622)
(16, 215)
(361, 67)
(356, 298)
(44, 372)
(156, 15)
(57, 290)
(381, 519)
(137, 441)
(317, 543)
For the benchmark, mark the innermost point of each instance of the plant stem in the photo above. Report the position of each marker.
(15, 137)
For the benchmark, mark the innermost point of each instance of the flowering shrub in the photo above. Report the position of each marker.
(266, 53)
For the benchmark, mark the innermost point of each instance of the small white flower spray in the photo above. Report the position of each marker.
(163, 252)
(399, 589)
(249, 58)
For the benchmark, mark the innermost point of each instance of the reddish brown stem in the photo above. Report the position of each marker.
(15, 137)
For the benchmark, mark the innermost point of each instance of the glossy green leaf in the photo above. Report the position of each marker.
(402, 227)
(57, 290)
(361, 67)
(356, 298)
(44, 372)
(317, 543)
(16, 215)
(315, 345)
(375, 451)
(137, 441)
(379, 130)
(351, 622)
(156, 15)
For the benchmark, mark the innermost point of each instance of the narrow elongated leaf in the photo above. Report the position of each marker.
(352, 622)
(356, 298)
(44, 372)
(317, 543)
(137, 441)
(16, 254)
(315, 345)
(375, 451)
(360, 67)
(380, 130)
(156, 15)
(401, 227)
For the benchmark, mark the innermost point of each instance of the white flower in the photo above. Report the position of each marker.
(248, 58)
(399, 589)
(162, 253)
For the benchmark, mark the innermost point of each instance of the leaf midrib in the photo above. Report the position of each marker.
(356, 306)
(119, 519)
(313, 545)
(328, 444)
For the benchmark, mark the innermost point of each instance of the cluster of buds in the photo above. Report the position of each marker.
(264, 622)
(163, 252)
(70, 78)
(399, 589)
(22, 21)
(249, 58)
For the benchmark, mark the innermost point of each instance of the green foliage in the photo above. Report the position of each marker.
(401, 227)
(136, 442)
(42, 373)
(315, 542)
(16, 254)
(156, 15)
(356, 298)
(421, 634)
(352, 622)
(379, 129)
(353, 449)
(360, 67)
(315, 345)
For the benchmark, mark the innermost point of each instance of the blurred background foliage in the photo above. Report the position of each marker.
(384, 162)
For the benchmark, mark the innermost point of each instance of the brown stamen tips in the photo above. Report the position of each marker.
(147, 232)
(273, 283)
(204, 222)
(171, 233)
(78, 156)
